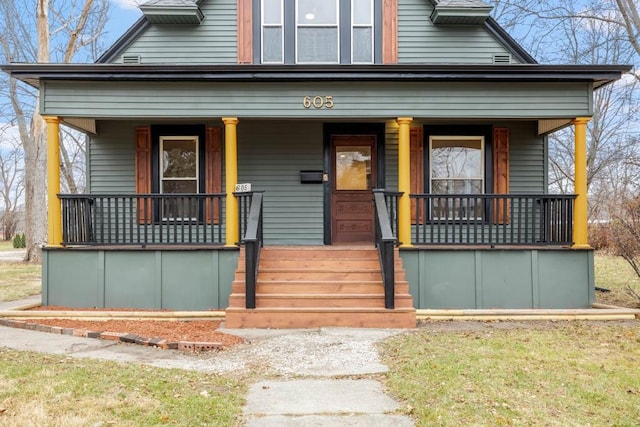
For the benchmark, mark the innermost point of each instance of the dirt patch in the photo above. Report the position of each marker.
(618, 297)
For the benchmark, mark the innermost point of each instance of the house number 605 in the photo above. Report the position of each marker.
(317, 101)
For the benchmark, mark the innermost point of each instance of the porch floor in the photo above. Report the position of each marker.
(314, 286)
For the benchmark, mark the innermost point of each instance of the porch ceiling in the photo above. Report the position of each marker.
(34, 74)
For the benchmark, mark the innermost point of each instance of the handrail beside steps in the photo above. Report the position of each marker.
(385, 242)
(252, 241)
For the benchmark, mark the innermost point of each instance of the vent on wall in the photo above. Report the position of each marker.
(502, 59)
(131, 59)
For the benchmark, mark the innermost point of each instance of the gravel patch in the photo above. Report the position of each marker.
(324, 352)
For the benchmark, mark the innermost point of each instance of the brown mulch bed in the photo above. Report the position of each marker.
(197, 330)
(62, 308)
(179, 330)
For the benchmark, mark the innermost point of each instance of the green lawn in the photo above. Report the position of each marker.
(19, 280)
(569, 373)
(6, 245)
(59, 391)
(616, 274)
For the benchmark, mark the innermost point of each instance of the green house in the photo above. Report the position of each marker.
(317, 162)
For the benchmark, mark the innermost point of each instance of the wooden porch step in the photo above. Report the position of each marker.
(307, 286)
(321, 300)
(323, 252)
(316, 317)
(320, 287)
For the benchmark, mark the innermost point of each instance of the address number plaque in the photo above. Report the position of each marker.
(317, 101)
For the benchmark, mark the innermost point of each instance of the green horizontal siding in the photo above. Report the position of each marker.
(352, 100)
(271, 155)
(420, 41)
(214, 41)
(391, 153)
(526, 157)
(112, 157)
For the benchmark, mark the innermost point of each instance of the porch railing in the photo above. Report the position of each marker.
(493, 219)
(385, 241)
(142, 219)
(252, 240)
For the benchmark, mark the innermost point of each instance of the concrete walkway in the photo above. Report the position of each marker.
(12, 255)
(325, 373)
(19, 304)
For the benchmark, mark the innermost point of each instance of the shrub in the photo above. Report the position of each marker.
(19, 241)
(600, 237)
(625, 236)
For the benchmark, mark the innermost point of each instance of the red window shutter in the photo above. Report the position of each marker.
(213, 171)
(501, 172)
(245, 32)
(416, 161)
(389, 31)
(143, 172)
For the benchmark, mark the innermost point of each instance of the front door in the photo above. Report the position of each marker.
(354, 175)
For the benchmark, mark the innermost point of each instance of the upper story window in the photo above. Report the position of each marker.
(272, 29)
(319, 32)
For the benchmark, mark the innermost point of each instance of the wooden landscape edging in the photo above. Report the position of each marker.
(594, 313)
(598, 312)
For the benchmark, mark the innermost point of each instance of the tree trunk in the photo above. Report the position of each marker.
(35, 156)
(35, 181)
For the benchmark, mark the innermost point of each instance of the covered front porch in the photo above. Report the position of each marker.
(180, 251)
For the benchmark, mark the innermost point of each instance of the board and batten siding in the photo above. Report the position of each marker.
(491, 100)
(271, 155)
(526, 157)
(420, 41)
(214, 41)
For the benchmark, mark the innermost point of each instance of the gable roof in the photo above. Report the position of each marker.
(489, 24)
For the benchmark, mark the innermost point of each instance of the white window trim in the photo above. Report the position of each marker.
(337, 27)
(456, 137)
(373, 35)
(193, 138)
(263, 26)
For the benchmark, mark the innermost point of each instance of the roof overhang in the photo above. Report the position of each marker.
(180, 13)
(460, 12)
(34, 74)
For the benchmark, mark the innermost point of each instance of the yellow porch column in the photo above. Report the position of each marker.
(580, 210)
(54, 210)
(404, 180)
(231, 179)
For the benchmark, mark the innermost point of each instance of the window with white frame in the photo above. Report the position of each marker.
(319, 31)
(457, 167)
(317, 37)
(362, 41)
(272, 13)
(179, 175)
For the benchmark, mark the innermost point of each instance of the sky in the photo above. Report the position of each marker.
(123, 13)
